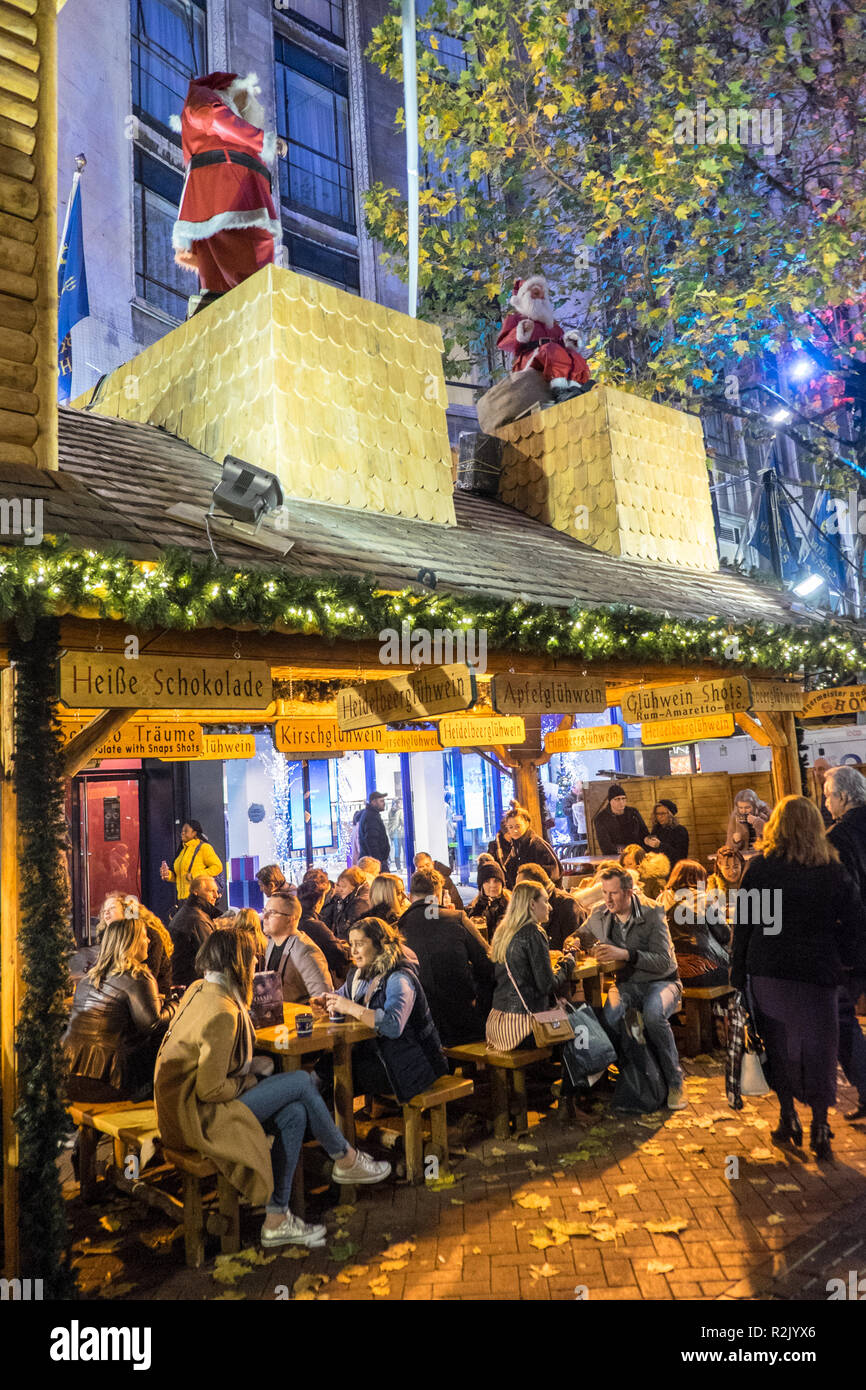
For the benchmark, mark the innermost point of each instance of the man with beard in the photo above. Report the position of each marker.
(535, 340)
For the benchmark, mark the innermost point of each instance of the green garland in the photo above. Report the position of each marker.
(45, 939)
(180, 594)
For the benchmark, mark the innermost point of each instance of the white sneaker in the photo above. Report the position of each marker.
(293, 1231)
(364, 1170)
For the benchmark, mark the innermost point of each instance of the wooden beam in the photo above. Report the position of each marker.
(10, 968)
(754, 729)
(80, 749)
(795, 778)
(775, 731)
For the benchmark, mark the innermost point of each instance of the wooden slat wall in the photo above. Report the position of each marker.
(28, 245)
(704, 803)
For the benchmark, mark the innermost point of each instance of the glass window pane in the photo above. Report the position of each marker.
(324, 15)
(168, 48)
(313, 115)
(158, 279)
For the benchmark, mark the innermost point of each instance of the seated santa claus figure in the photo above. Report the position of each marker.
(534, 338)
(227, 223)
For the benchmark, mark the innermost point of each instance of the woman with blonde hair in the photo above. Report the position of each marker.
(525, 981)
(214, 1096)
(387, 898)
(797, 922)
(248, 920)
(116, 1017)
(160, 946)
(653, 873)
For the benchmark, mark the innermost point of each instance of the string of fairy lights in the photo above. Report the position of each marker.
(178, 593)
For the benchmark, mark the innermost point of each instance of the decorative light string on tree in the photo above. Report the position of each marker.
(182, 594)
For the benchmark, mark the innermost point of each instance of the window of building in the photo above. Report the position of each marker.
(449, 49)
(323, 263)
(169, 47)
(440, 181)
(325, 17)
(313, 116)
(157, 278)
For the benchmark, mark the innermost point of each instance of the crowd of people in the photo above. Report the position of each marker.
(164, 1010)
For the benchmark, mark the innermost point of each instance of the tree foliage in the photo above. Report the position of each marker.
(569, 146)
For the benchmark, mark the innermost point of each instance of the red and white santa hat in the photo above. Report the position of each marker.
(523, 287)
(228, 84)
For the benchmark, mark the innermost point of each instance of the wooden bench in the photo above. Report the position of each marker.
(698, 1010)
(224, 1222)
(501, 1064)
(434, 1100)
(131, 1126)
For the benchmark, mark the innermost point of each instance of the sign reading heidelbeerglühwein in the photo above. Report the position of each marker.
(723, 695)
(432, 690)
(776, 695)
(481, 730)
(534, 694)
(102, 681)
(844, 699)
(690, 729)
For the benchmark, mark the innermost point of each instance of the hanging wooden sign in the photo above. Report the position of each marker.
(93, 680)
(643, 704)
(534, 694)
(143, 740)
(480, 731)
(776, 695)
(433, 690)
(583, 740)
(843, 699)
(227, 746)
(322, 738)
(689, 730)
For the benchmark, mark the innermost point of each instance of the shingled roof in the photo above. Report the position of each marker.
(118, 480)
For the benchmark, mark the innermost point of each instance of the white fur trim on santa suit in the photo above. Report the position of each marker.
(175, 122)
(269, 147)
(571, 338)
(185, 233)
(518, 299)
(525, 330)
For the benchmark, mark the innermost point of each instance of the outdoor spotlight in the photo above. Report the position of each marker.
(245, 492)
(780, 417)
(808, 585)
(801, 369)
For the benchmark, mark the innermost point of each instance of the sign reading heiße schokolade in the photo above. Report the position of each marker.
(90, 680)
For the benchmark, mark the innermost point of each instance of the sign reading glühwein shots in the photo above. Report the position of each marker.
(642, 704)
(433, 690)
(101, 681)
(534, 694)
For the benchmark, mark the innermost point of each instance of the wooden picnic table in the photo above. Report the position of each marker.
(282, 1042)
(590, 973)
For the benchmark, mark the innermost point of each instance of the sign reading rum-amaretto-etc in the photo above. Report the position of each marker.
(433, 690)
(101, 681)
(643, 704)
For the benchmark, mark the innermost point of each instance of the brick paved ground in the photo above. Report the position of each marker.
(779, 1229)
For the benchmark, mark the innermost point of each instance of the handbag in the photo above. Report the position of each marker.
(590, 1052)
(753, 1082)
(640, 1088)
(549, 1027)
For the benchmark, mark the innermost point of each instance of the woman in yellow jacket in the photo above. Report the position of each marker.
(197, 856)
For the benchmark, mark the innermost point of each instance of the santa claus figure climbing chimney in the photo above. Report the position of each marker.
(537, 342)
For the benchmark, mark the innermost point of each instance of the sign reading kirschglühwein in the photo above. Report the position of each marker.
(534, 694)
(776, 695)
(844, 699)
(320, 738)
(433, 690)
(101, 681)
(480, 730)
(583, 740)
(688, 730)
(724, 695)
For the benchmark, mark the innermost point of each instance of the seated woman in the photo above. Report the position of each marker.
(730, 867)
(160, 946)
(698, 926)
(116, 1020)
(388, 899)
(214, 1096)
(653, 875)
(352, 899)
(493, 897)
(383, 991)
(248, 920)
(311, 895)
(667, 835)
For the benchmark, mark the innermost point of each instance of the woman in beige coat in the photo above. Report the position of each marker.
(212, 1095)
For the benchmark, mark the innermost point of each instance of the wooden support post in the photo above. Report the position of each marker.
(193, 1220)
(439, 1135)
(10, 969)
(500, 1091)
(789, 728)
(413, 1140)
(80, 749)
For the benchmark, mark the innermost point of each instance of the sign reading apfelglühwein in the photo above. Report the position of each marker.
(543, 694)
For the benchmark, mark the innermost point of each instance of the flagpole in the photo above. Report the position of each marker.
(410, 108)
(80, 164)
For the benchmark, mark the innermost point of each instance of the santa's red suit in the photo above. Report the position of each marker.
(534, 338)
(227, 223)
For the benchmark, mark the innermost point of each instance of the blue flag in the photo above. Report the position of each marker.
(824, 553)
(786, 535)
(71, 291)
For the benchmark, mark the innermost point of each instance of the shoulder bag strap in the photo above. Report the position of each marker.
(519, 995)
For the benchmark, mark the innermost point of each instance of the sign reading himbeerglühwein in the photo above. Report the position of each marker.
(583, 740)
(534, 694)
(432, 690)
(688, 730)
(101, 681)
(480, 730)
(724, 695)
(776, 695)
(318, 738)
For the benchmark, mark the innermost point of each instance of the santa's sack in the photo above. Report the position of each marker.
(641, 1089)
(513, 396)
(590, 1052)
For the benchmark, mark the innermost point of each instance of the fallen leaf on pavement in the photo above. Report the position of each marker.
(787, 1187)
(626, 1189)
(592, 1204)
(342, 1251)
(540, 1240)
(545, 1271)
(658, 1267)
(437, 1184)
(457, 1202)
(398, 1252)
(763, 1156)
(353, 1272)
(691, 1148)
(666, 1228)
(528, 1148)
(568, 1228)
(306, 1286)
(344, 1211)
(651, 1150)
(388, 1265)
(775, 1220)
(110, 1223)
(531, 1201)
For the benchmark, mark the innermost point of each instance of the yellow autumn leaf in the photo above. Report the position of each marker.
(775, 1219)
(666, 1228)
(393, 1264)
(110, 1223)
(531, 1201)
(567, 1228)
(545, 1271)
(787, 1187)
(592, 1205)
(550, 111)
(626, 1189)
(353, 1272)
(762, 1156)
(658, 1267)
(741, 346)
(434, 42)
(398, 1252)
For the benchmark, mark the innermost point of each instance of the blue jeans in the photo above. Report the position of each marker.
(656, 1001)
(284, 1104)
(852, 1044)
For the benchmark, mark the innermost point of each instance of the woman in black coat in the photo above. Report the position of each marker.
(493, 897)
(515, 845)
(666, 835)
(797, 921)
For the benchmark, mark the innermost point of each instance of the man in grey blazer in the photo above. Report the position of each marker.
(301, 965)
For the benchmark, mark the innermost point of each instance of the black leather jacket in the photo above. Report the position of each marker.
(528, 957)
(110, 1022)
